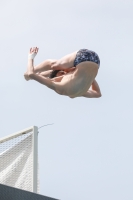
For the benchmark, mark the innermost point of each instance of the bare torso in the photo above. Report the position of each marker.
(76, 83)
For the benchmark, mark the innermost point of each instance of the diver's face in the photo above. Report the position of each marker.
(60, 73)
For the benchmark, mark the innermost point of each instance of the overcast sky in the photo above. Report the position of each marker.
(88, 152)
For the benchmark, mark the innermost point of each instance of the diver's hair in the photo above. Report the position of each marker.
(53, 73)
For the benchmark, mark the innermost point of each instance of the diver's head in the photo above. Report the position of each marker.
(56, 73)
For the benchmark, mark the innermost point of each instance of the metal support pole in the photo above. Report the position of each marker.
(35, 158)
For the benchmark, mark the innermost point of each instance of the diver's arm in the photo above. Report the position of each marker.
(57, 87)
(94, 92)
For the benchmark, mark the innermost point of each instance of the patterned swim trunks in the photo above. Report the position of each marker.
(86, 55)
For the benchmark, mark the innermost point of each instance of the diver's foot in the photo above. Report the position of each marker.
(27, 78)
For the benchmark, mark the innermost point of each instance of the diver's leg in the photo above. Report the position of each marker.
(65, 62)
(44, 66)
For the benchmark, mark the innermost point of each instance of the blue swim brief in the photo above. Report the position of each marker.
(86, 55)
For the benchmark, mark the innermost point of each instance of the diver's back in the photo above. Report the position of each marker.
(77, 83)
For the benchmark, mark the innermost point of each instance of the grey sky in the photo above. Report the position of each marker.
(88, 152)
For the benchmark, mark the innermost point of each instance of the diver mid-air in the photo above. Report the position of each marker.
(73, 75)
